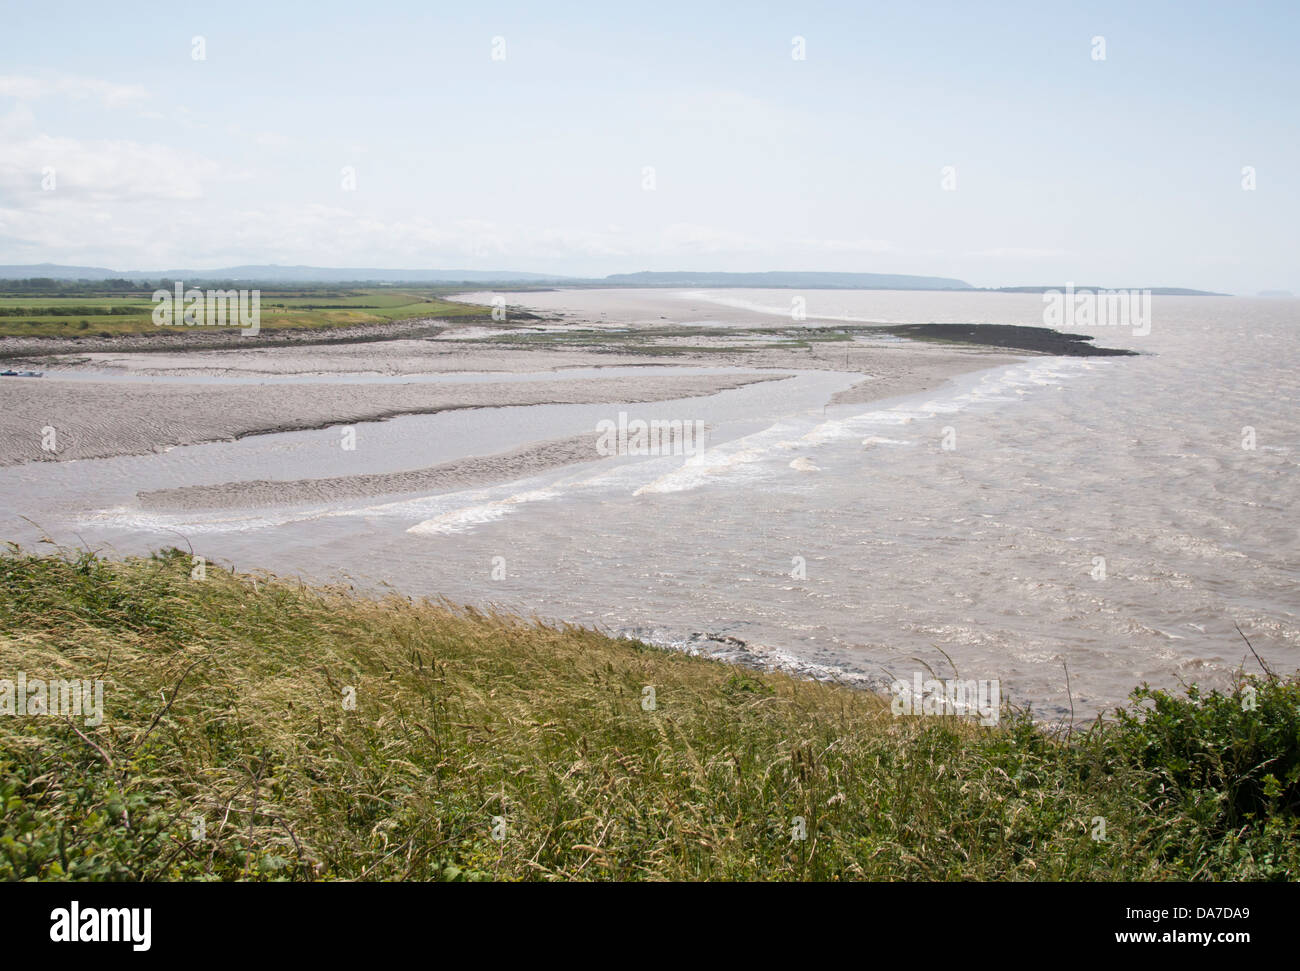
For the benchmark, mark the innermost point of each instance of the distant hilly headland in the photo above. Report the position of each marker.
(770, 279)
(781, 279)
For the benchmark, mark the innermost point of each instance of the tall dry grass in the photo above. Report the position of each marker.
(484, 746)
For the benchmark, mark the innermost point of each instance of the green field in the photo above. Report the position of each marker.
(91, 312)
(480, 746)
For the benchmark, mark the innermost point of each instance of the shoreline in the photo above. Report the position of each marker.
(463, 473)
(106, 419)
(154, 418)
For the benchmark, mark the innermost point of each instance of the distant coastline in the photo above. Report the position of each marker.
(770, 279)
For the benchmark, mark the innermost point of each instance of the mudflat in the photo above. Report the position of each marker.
(153, 397)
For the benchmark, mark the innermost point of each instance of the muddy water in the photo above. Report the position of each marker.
(1100, 515)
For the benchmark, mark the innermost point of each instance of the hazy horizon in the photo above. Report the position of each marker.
(516, 275)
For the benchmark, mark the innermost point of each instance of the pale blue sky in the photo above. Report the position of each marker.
(1125, 171)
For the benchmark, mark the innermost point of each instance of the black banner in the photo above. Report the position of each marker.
(151, 921)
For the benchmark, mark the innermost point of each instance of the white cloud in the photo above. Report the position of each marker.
(1019, 253)
(868, 246)
(102, 171)
(135, 230)
(108, 93)
(262, 139)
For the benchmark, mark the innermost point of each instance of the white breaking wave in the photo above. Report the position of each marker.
(460, 520)
(758, 455)
(755, 456)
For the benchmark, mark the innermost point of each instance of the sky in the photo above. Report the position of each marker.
(993, 145)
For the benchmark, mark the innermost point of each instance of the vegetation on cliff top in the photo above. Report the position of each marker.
(255, 728)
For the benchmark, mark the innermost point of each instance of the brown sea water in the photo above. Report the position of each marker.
(1098, 515)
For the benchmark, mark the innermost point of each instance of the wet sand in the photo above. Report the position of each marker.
(447, 476)
(97, 419)
(140, 396)
(102, 419)
(913, 364)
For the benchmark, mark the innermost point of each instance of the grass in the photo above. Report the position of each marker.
(100, 314)
(224, 703)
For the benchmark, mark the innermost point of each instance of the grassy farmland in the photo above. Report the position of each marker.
(95, 311)
(491, 747)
